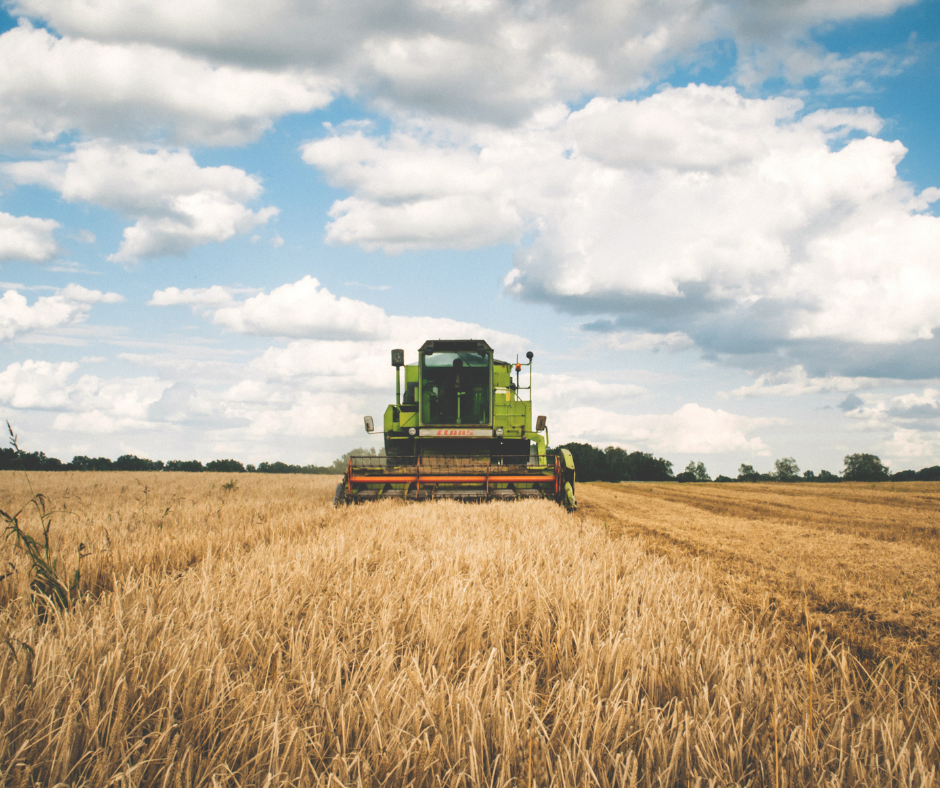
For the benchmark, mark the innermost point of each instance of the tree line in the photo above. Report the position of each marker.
(617, 465)
(592, 464)
(18, 460)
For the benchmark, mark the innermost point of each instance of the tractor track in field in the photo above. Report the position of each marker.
(780, 565)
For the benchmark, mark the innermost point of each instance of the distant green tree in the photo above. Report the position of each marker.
(786, 470)
(864, 468)
(825, 476)
(274, 467)
(131, 462)
(11, 460)
(83, 463)
(190, 466)
(225, 466)
(698, 470)
(619, 468)
(590, 463)
(746, 473)
(637, 466)
(646, 468)
(614, 464)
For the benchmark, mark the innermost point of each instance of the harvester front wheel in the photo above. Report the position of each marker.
(570, 503)
(339, 497)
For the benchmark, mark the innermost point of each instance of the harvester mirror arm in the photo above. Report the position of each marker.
(370, 425)
(541, 425)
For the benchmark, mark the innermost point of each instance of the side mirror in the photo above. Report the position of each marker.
(370, 425)
(540, 423)
(530, 355)
(398, 358)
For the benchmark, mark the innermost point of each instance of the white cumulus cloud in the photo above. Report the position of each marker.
(494, 60)
(214, 296)
(694, 210)
(177, 203)
(690, 429)
(71, 304)
(52, 86)
(36, 384)
(563, 391)
(305, 309)
(796, 381)
(27, 238)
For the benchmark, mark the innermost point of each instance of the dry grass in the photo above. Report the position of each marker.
(255, 636)
(865, 556)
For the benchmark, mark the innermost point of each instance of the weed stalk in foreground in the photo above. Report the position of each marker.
(809, 677)
(45, 584)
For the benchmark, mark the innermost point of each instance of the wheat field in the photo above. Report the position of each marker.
(864, 559)
(240, 631)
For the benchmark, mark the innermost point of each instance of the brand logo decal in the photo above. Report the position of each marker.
(456, 433)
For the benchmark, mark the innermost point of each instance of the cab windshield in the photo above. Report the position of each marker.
(455, 388)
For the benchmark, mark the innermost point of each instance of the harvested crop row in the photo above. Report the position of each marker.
(859, 555)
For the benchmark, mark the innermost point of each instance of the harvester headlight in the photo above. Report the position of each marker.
(412, 431)
(499, 432)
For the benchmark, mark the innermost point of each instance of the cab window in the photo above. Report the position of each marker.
(455, 388)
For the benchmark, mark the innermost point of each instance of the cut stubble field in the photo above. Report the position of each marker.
(862, 559)
(237, 630)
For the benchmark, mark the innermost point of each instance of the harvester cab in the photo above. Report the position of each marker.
(462, 429)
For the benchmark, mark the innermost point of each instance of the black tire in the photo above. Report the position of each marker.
(569, 500)
(339, 497)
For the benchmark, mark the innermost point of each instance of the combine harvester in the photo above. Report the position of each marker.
(463, 431)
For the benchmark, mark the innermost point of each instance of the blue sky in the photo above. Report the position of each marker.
(715, 223)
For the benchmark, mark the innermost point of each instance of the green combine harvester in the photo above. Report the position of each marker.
(462, 430)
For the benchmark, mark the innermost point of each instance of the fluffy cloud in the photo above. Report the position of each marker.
(177, 203)
(72, 304)
(908, 425)
(491, 59)
(911, 410)
(88, 404)
(563, 391)
(691, 429)
(214, 296)
(183, 404)
(925, 405)
(253, 409)
(672, 342)
(806, 63)
(301, 414)
(495, 60)
(36, 384)
(796, 381)
(694, 210)
(52, 86)
(27, 238)
(305, 309)
(410, 195)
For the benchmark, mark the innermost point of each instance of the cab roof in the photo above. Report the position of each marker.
(454, 346)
